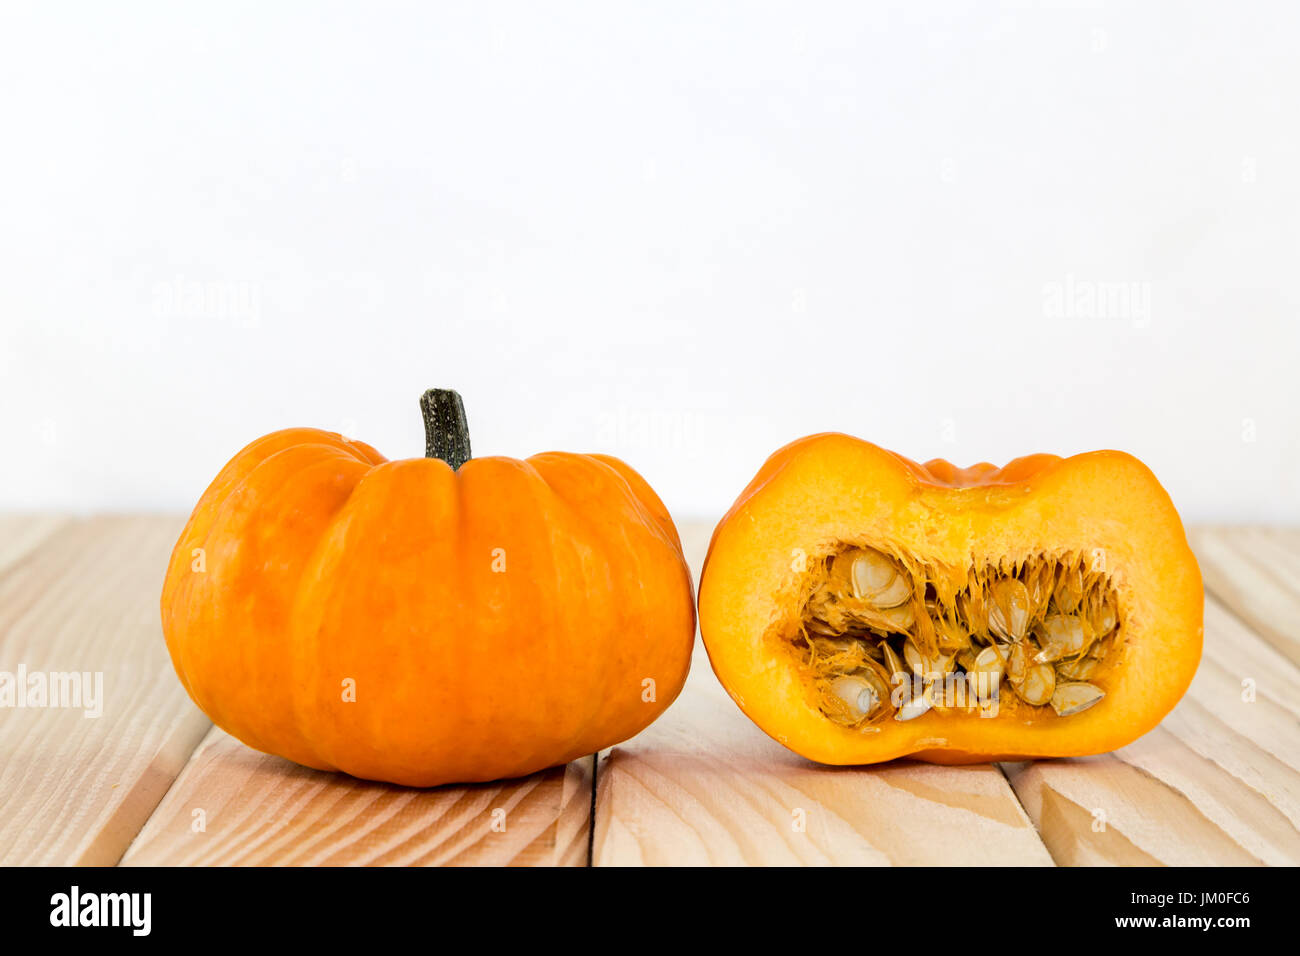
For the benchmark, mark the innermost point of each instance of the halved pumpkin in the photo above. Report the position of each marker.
(859, 606)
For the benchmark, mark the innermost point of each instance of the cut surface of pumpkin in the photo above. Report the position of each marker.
(859, 606)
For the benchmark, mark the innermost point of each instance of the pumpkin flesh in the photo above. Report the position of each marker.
(779, 612)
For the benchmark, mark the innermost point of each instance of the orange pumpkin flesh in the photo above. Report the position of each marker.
(419, 623)
(832, 494)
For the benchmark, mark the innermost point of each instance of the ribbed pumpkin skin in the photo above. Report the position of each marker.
(324, 563)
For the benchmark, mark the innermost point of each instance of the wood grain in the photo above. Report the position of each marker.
(1255, 572)
(1217, 783)
(704, 786)
(235, 806)
(20, 535)
(82, 596)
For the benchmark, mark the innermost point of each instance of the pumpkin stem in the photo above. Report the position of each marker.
(446, 430)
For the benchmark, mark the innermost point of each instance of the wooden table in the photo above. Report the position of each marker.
(151, 781)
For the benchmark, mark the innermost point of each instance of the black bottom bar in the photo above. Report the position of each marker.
(237, 906)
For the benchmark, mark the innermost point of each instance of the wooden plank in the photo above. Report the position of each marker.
(235, 806)
(75, 789)
(1217, 783)
(20, 535)
(703, 785)
(1256, 573)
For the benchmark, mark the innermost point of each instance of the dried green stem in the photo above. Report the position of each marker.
(446, 430)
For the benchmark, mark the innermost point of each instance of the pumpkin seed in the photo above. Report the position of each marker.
(971, 607)
(1039, 580)
(926, 666)
(1038, 684)
(878, 580)
(893, 663)
(1077, 670)
(1046, 624)
(1107, 618)
(1050, 654)
(839, 644)
(1069, 590)
(987, 673)
(914, 705)
(949, 635)
(897, 619)
(1009, 609)
(1017, 663)
(1069, 699)
(817, 626)
(857, 693)
(1064, 630)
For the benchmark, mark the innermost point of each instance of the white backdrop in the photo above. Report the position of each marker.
(682, 234)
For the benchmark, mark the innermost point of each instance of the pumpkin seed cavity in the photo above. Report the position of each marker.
(886, 636)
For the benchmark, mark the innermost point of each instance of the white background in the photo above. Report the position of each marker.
(683, 234)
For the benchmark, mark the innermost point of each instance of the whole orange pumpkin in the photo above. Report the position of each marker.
(430, 620)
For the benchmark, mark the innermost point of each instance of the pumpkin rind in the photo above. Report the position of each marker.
(832, 487)
(494, 620)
